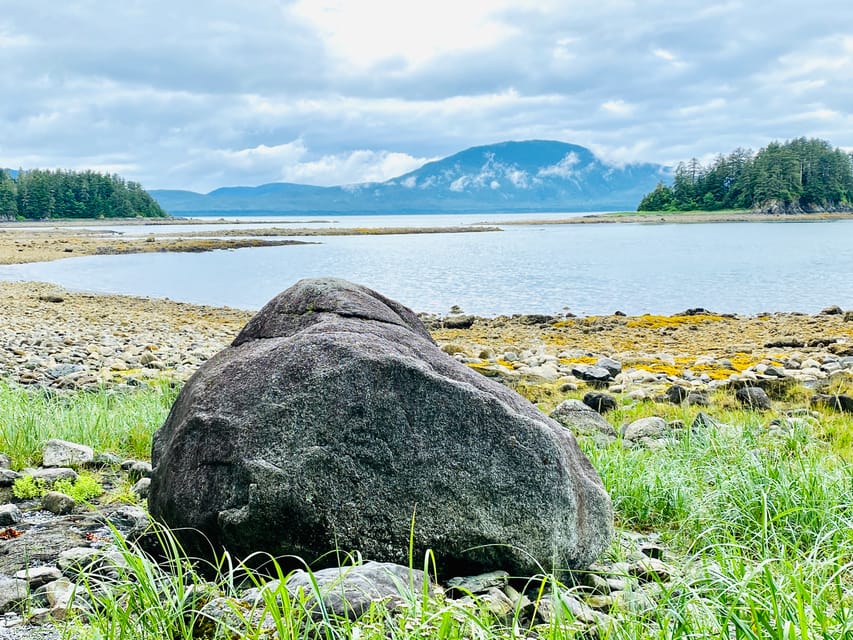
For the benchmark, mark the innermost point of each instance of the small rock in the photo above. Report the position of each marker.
(698, 399)
(651, 570)
(13, 592)
(613, 366)
(479, 583)
(8, 477)
(105, 459)
(596, 376)
(141, 488)
(676, 394)
(58, 503)
(753, 398)
(62, 370)
(130, 520)
(349, 591)
(600, 402)
(59, 453)
(38, 576)
(496, 602)
(839, 402)
(652, 550)
(582, 420)
(458, 322)
(703, 421)
(5, 462)
(9, 514)
(140, 470)
(51, 475)
(651, 427)
(833, 310)
(601, 602)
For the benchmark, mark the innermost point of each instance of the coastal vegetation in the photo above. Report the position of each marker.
(43, 194)
(801, 175)
(758, 523)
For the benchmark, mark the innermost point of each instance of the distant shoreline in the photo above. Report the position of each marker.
(683, 217)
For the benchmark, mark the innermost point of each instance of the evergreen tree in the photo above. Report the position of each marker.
(797, 175)
(39, 194)
(8, 197)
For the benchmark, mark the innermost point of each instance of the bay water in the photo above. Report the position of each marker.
(588, 269)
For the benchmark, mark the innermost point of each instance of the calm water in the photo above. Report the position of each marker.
(586, 269)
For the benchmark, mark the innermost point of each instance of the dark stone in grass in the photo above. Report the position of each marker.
(676, 394)
(753, 398)
(333, 421)
(703, 421)
(601, 402)
(697, 399)
(458, 322)
(840, 402)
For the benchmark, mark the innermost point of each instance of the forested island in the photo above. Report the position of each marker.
(40, 194)
(797, 176)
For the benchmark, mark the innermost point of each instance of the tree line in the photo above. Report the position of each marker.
(40, 194)
(795, 176)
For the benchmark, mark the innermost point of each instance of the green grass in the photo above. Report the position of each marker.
(121, 422)
(762, 526)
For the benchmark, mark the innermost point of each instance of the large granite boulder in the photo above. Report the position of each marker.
(333, 421)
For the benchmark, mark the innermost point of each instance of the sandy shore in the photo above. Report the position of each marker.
(22, 242)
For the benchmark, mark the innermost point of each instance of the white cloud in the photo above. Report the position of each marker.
(565, 168)
(352, 167)
(618, 107)
(460, 183)
(367, 32)
(332, 92)
(665, 54)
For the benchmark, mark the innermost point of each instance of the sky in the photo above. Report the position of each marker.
(198, 95)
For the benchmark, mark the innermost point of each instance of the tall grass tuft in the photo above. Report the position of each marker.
(120, 421)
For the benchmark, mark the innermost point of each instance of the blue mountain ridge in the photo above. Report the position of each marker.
(525, 176)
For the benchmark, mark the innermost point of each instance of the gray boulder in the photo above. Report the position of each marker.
(583, 420)
(333, 421)
(60, 453)
(753, 398)
(350, 591)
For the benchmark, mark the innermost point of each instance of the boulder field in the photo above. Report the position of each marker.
(333, 422)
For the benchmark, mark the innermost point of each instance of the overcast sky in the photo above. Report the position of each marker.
(196, 95)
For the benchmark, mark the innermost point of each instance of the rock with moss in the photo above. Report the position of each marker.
(334, 421)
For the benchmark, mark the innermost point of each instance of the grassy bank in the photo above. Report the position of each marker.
(761, 525)
(121, 422)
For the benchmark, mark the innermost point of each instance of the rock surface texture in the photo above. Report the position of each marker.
(333, 421)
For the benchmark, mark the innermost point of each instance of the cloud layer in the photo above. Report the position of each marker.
(187, 95)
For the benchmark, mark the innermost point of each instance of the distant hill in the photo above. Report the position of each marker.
(534, 175)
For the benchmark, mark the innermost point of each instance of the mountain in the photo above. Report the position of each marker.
(533, 175)
(12, 173)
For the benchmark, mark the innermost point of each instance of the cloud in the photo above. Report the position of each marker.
(179, 94)
(565, 168)
(618, 107)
